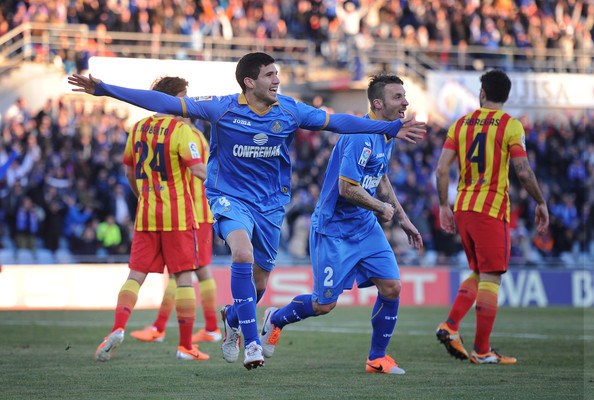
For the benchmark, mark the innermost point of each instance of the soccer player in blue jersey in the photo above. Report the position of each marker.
(249, 173)
(346, 240)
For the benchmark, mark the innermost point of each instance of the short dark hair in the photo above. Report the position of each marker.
(496, 85)
(249, 66)
(377, 84)
(171, 85)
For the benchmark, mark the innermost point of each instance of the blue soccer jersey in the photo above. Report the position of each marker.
(249, 151)
(249, 155)
(360, 160)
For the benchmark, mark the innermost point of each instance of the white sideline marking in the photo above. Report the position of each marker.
(400, 329)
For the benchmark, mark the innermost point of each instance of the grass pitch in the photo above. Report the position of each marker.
(49, 355)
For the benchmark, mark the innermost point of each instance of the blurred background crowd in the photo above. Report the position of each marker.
(63, 188)
(64, 196)
(337, 27)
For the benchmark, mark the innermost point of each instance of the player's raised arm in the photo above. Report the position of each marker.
(147, 99)
(407, 129)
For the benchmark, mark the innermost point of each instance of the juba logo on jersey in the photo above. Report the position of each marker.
(259, 151)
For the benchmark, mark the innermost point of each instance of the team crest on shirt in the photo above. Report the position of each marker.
(364, 156)
(328, 293)
(276, 127)
(260, 139)
(194, 150)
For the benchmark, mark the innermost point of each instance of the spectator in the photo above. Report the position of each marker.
(79, 148)
(87, 244)
(109, 236)
(51, 231)
(27, 225)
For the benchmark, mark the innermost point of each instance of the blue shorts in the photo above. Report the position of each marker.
(337, 262)
(263, 228)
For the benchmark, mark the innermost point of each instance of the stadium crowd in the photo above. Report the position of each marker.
(61, 179)
(62, 187)
(340, 28)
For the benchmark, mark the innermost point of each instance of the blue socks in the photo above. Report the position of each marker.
(243, 310)
(232, 319)
(299, 308)
(383, 321)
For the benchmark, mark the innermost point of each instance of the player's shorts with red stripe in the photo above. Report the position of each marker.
(204, 239)
(486, 241)
(151, 251)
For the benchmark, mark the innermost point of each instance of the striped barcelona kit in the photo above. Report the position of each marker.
(484, 140)
(203, 214)
(162, 177)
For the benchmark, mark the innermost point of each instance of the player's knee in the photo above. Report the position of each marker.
(322, 309)
(390, 290)
(242, 255)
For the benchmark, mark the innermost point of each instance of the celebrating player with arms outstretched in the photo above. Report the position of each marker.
(249, 173)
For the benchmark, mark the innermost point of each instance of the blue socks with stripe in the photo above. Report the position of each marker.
(243, 291)
(298, 309)
(383, 322)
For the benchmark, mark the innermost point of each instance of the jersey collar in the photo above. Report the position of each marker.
(372, 115)
(243, 100)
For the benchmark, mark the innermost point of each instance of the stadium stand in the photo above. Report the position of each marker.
(66, 156)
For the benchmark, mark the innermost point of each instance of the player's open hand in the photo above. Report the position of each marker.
(83, 84)
(446, 219)
(414, 237)
(541, 218)
(412, 130)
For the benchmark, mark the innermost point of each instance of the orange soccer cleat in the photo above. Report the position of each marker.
(191, 354)
(452, 341)
(110, 343)
(149, 334)
(207, 336)
(491, 357)
(383, 365)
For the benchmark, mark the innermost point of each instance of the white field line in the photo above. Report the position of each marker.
(354, 328)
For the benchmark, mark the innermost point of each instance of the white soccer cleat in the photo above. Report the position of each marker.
(270, 334)
(231, 339)
(253, 356)
(107, 348)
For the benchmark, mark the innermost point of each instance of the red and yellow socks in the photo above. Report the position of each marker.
(185, 306)
(167, 305)
(486, 310)
(208, 298)
(464, 300)
(126, 302)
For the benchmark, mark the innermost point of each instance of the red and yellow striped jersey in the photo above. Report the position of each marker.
(161, 149)
(484, 140)
(203, 213)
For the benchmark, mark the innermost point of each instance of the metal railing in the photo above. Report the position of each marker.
(43, 42)
(391, 55)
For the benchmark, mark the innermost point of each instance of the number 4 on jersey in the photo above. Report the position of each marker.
(476, 153)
